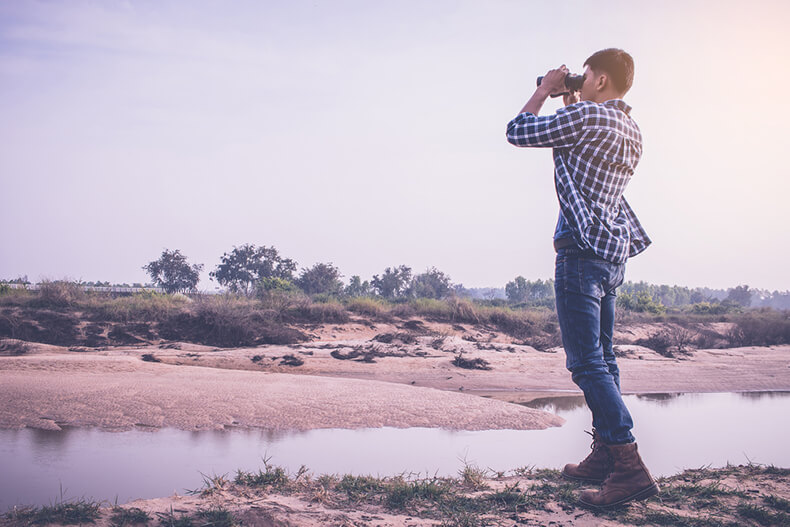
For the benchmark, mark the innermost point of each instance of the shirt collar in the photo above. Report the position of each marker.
(619, 104)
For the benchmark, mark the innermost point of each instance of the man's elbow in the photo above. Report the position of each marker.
(515, 138)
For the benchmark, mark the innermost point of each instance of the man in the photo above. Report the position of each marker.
(596, 147)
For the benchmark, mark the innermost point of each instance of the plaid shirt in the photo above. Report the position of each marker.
(596, 149)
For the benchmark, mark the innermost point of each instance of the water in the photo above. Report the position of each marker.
(675, 431)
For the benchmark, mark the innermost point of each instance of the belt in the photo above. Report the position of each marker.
(564, 243)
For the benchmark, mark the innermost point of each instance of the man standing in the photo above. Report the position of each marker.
(596, 147)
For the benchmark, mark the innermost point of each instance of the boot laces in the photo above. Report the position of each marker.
(592, 435)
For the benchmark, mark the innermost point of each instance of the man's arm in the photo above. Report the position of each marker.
(559, 130)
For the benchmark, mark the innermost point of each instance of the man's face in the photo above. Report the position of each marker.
(588, 92)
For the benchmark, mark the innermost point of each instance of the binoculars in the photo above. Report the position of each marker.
(572, 82)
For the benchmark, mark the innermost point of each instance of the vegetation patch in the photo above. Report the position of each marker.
(471, 364)
(365, 354)
(76, 512)
(14, 347)
(226, 322)
(291, 360)
(318, 313)
(764, 327)
(524, 496)
(149, 357)
(389, 338)
(170, 519)
(125, 517)
(270, 476)
(62, 313)
(669, 342)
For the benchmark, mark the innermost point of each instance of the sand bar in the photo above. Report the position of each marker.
(116, 392)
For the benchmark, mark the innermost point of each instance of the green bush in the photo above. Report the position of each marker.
(641, 302)
(273, 284)
(714, 308)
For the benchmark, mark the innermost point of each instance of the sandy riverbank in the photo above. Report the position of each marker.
(346, 380)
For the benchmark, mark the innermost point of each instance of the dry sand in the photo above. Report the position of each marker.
(48, 391)
(406, 385)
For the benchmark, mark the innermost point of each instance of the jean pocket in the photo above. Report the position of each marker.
(566, 274)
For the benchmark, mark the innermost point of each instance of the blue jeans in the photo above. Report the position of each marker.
(585, 285)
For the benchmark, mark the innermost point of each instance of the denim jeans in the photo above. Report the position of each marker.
(585, 285)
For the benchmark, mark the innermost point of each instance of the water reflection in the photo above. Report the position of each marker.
(659, 398)
(763, 395)
(557, 404)
(675, 431)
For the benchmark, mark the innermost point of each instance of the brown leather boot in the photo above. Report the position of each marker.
(594, 468)
(629, 480)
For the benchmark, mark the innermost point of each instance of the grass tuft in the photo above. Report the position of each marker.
(269, 476)
(471, 364)
(777, 503)
(75, 512)
(759, 514)
(169, 519)
(357, 488)
(122, 517)
(216, 517)
(474, 477)
(400, 493)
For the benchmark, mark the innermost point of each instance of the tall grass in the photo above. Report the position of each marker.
(368, 306)
(145, 306)
(60, 293)
(228, 321)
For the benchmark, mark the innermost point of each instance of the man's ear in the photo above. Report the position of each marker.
(602, 82)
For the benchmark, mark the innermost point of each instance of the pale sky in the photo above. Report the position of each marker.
(372, 135)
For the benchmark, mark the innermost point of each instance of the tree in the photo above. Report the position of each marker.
(320, 279)
(740, 295)
(356, 287)
(173, 273)
(517, 290)
(393, 283)
(247, 265)
(523, 290)
(431, 284)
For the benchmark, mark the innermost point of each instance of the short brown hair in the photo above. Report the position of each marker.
(618, 64)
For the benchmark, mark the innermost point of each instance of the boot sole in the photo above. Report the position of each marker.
(643, 494)
(583, 480)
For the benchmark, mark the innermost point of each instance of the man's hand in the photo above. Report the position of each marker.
(571, 98)
(553, 82)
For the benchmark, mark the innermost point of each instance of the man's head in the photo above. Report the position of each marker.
(608, 74)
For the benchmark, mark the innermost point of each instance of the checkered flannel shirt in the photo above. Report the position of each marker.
(596, 149)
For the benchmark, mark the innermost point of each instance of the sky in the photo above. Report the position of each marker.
(372, 134)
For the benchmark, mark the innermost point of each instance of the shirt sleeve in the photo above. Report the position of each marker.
(560, 130)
